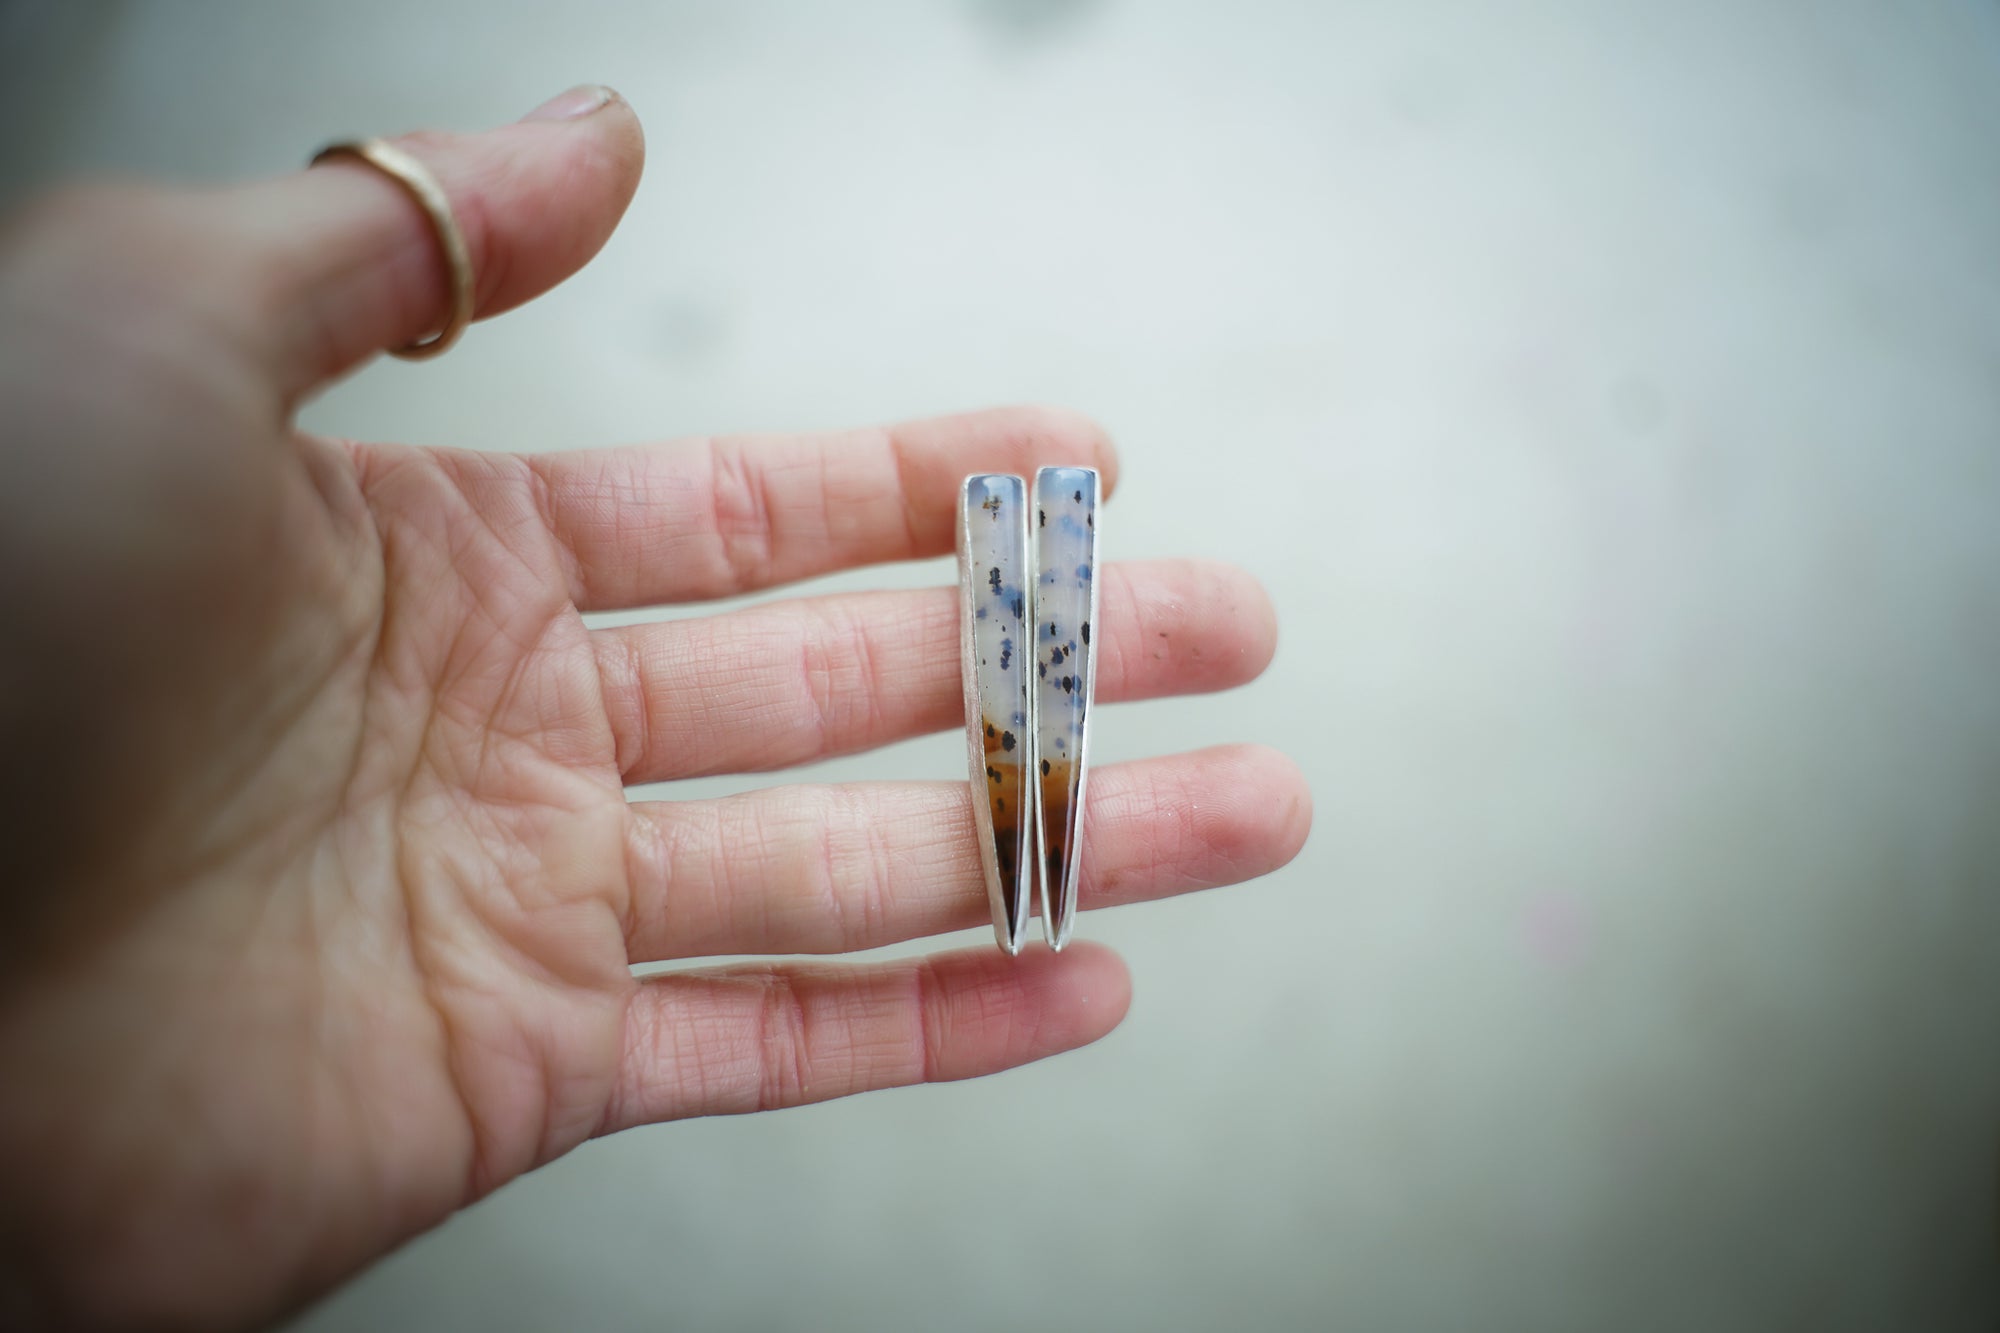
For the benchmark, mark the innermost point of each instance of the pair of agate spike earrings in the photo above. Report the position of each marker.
(1028, 596)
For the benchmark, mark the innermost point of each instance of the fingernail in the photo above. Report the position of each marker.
(578, 101)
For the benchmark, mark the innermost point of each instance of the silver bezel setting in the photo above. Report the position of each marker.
(1010, 931)
(1059, 909)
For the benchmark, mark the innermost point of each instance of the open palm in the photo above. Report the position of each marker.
(322, 888)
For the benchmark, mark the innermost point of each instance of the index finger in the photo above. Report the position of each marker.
(710, 518)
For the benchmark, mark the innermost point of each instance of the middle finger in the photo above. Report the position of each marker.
(809, 678)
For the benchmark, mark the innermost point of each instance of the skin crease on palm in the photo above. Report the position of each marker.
(321, 889)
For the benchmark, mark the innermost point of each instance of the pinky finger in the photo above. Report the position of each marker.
(753, 1038)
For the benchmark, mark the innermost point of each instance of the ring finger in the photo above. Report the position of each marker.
(827, 869)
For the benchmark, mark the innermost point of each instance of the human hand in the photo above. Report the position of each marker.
(321, 888)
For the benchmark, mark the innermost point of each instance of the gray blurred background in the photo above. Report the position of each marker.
(1609, 396)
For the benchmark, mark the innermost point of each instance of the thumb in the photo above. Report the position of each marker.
(350, 265)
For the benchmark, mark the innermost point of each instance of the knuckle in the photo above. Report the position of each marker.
(426, 144)
(742, 515)
(784, 1039)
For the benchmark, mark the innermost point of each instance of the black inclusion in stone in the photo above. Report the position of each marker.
(1045, 768)
(1007, 740)
(1006, 653)
(1079, 497)
(1017, 609)
(1086, 631)
(993, 578)
(1043, 514)
(1069, 684)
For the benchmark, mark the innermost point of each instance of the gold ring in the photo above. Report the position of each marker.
(420, 185)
